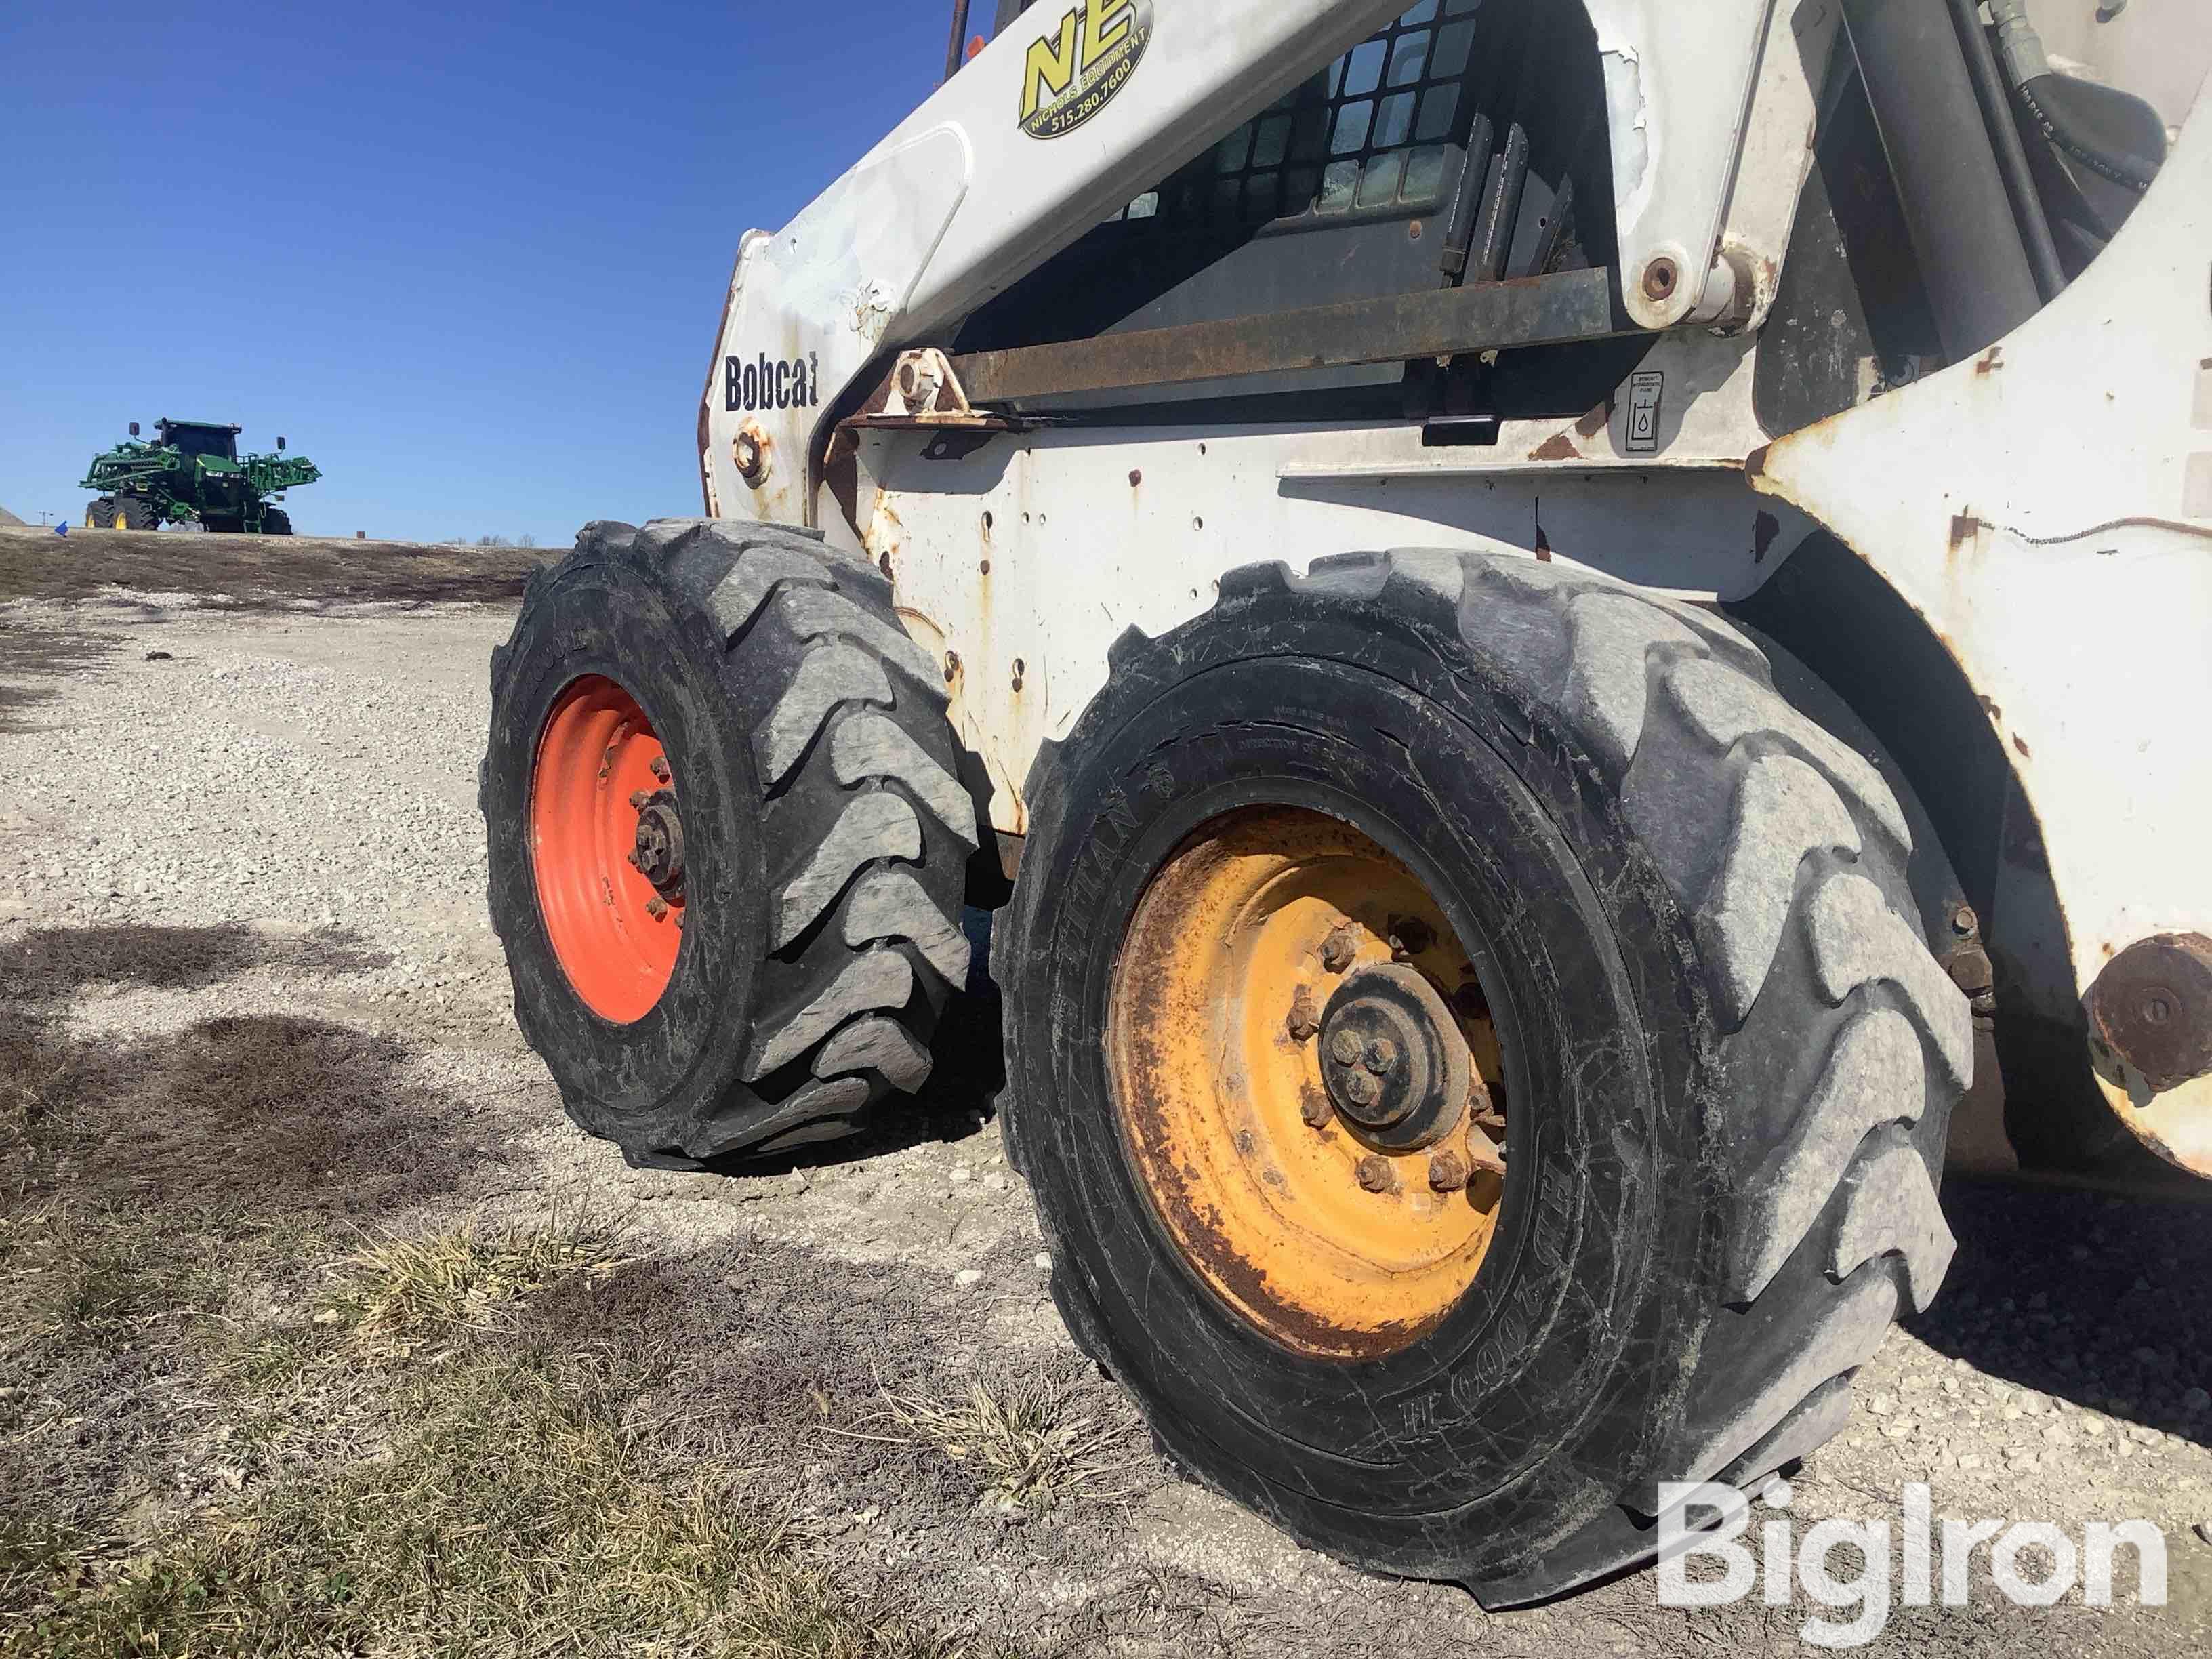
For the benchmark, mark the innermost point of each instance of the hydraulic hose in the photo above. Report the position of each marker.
(2041, 97)
(2011, 154)
(2042, 94)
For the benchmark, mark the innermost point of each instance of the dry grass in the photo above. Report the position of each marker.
(256, 571)
(508, 1516)
(72, 1268)
(403, 1289)
(1029, 1440)
(229, 1426)
(509, 1505)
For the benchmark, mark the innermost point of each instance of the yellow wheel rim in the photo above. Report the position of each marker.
(1246, 1085)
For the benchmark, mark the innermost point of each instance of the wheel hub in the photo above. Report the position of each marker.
(1393, 1062)
(607, 847)
(1302, 1094)
(659, 854)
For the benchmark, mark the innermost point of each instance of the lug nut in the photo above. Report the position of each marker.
(659, 767)
(1382, 1056)
(1344, 1048)
(637, 800)
(1314, 1108)
(749, 449)
(1339, 950)
(1447, 1172)
(1303, 1023)
(1362, 1090)
(1375, 1174)
(1964, 922)
(656, 907)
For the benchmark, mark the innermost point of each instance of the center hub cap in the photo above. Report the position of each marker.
(659, 854)
(1392, 1059)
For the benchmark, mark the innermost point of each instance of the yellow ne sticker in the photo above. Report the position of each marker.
(1075, 70)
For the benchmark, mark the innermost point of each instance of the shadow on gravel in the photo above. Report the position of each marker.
(246, 1118)
(2106, 1302)
(31, 659)
(144, 1176)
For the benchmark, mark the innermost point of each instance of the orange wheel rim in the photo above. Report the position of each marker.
(606, 849)
(1268, 937)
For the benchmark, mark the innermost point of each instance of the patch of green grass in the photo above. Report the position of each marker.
(510, 1514)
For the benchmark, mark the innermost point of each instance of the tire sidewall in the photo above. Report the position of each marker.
(641, 1083)
(1555, 1373)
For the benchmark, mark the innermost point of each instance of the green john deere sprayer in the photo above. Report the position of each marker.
(192, 473)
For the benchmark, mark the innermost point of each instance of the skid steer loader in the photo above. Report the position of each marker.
(1568, 635)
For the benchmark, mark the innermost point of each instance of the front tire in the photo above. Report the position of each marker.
(1725, 1060)
(275, 522)
(134, 513)
(727, 845)
(100, 514)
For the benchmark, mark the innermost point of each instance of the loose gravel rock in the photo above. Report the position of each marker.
(307, 778)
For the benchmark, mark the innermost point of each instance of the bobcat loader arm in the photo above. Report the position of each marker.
(1060, 121)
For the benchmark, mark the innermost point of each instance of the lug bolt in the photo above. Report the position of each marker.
(659, 767)
(1963, 920)
(1315, 1109)
(1339, 949)
(1447, 1172)
(637, 800)
(1344, 1048)
(1382, 1056)
(1375, 1174)
(656, 907)
(1362, 1090)
(1303, 1023)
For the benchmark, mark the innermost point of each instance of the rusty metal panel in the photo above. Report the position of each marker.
(1576, 305)
(2033, 505)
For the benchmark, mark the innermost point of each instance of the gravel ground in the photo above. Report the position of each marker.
(294, 778)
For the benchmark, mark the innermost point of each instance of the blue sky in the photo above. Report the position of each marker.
(467, 258)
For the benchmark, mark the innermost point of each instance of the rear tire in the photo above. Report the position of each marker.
(134, 513)
(100, 514)
(822, 838)
(1730, 1057)
(275, 522)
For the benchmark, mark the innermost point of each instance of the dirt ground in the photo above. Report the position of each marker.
(310, 1276)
